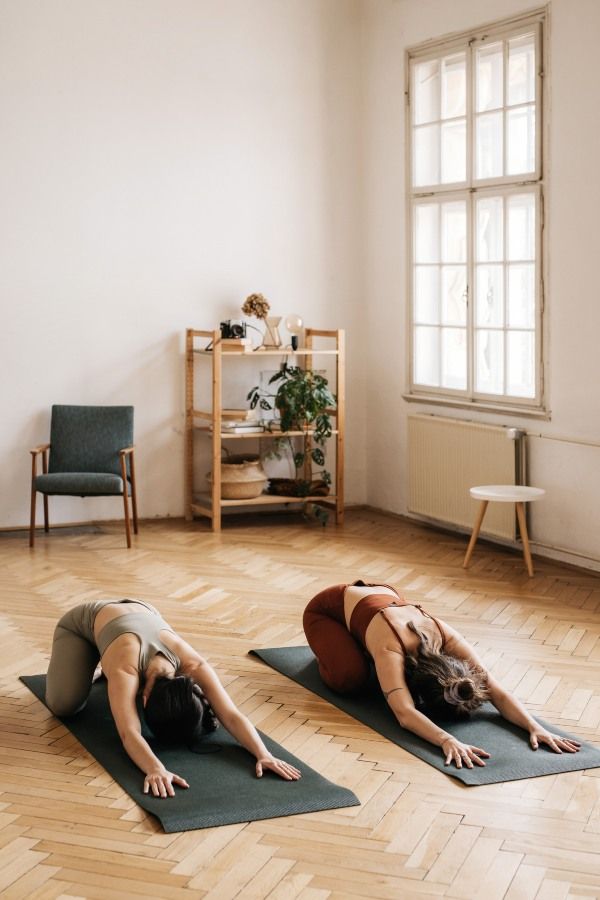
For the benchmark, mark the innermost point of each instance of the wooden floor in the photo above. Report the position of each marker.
(66, 830)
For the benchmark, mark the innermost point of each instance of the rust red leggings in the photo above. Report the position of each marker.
(343, 664)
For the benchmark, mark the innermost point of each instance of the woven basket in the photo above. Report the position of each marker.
(242, 478)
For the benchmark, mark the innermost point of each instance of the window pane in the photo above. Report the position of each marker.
(427, 155)
(475, 306)
(521, 296)
(427, 295)
(454, 151)
(490, 230)
(521, 367)
(489, 352)
(489, 296)
(488, 84)
(520, 140)
(488, 145)
(454, 295)
(521, 70)
(427, 233)
(521, 227)
(454, 232)
(454, 86)
(426, 82)
(427, 356)
(454, 358)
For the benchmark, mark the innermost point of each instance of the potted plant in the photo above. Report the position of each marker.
(303, 400)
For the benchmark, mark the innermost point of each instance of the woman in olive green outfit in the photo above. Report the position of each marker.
(181, 693)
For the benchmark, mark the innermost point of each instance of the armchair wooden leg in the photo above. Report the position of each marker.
(126, 509)
(524, 537)
(475, 535)
(32, 517)
(125, 500)
(45, 471)
(133, 494)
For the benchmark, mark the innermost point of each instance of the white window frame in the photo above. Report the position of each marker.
(472, 188)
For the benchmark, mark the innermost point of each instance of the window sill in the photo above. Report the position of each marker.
(479, 405)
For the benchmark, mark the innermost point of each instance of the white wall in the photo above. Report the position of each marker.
(569, 517)
(159, 161)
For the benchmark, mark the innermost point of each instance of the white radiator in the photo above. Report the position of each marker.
(446, 457)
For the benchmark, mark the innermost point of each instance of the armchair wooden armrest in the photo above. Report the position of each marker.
(43, 447)
(35, 451)
(126, 450)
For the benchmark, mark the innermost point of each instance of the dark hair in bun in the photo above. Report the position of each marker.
(442, 685)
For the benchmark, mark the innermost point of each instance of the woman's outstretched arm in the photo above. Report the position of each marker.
(509, 707)
(234, 721)
(122, 689)
(389, 664)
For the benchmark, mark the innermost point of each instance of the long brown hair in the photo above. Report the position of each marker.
(442, 685)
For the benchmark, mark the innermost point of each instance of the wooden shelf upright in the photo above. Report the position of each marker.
(209, 422)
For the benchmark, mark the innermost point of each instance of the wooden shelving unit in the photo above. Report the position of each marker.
(207, 423)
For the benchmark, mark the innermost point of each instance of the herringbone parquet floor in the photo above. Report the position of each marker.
(66, 830)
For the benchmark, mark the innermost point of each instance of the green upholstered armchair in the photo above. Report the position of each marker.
(91, 454)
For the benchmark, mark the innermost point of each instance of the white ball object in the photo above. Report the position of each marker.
(294, 323)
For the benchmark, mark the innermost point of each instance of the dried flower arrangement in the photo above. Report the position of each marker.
(256, 305)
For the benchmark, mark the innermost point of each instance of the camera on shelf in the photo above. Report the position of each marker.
(233, 328)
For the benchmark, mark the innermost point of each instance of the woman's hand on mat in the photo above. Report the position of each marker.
(539, 735)
(462, 754)
(161, 783)
(281, 768)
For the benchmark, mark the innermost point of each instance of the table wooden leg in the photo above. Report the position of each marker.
(475, 535)
(524, 537)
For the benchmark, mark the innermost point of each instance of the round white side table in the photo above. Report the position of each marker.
(504, 493)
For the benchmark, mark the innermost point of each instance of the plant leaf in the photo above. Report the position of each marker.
(318, 457)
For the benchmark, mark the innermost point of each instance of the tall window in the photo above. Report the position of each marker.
(476, 208)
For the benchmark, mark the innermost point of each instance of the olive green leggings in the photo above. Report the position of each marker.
(74, 659)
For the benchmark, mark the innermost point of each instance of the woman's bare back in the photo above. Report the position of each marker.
(125, 649)
(115, 610)
(379, 635)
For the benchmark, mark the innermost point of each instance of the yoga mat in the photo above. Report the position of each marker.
(223, 786)
(511, 755)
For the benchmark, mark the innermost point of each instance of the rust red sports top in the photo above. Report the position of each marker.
(366, 609)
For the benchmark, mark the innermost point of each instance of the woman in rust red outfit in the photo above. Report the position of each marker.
(424, 666)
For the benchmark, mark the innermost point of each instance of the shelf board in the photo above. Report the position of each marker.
(202, 502)
(257, 434)
(240, 354)
(205, 414)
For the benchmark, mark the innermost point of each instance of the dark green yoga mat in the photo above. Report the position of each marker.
(511, 756)
(223, 786)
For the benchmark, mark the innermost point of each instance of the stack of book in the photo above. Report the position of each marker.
(241, 427)
(240, 421)
(237, 345)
